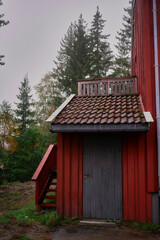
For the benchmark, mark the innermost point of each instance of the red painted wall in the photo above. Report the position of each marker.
(158, 32)
(136, 199)
(69, 175)
(143, 68)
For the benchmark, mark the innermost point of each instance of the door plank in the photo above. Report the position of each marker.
(102, 189)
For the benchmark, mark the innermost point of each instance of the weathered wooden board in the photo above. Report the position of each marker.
(102, 177)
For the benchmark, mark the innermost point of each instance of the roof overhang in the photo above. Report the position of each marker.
(133, 127)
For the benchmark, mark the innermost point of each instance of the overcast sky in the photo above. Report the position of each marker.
(32, 38)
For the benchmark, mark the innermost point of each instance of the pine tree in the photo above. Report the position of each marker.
(72, 60)
(122, 65)
(24, 114)
(2, 23)
(100, 52)
(80, 50)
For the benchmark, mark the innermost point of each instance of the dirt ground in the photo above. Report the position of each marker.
(101, 233)
(15, 196)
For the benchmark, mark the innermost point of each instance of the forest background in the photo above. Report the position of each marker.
(84, 53)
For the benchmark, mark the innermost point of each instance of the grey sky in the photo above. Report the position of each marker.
(31, 41)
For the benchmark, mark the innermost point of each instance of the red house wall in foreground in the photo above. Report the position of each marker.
(137, 203)
(136, 198)
(143, 68)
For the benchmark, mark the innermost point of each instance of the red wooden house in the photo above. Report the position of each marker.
(106, 159)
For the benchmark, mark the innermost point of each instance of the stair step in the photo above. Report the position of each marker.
(47, 204)
(45, 185)
(51, 190)
(49, 197)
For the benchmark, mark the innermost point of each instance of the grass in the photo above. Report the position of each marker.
(10, 201)
(4, 183)
(146, 226)
(140, 225)
(45, 217)
(20, 238)
(15, 196)
(50, 200)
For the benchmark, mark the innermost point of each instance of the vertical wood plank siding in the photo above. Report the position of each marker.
(158, 33)
(69, 175)
(60, 178)
(136, 199)
(143, 68)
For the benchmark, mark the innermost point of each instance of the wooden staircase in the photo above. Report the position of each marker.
(48, 196)
(46, 179)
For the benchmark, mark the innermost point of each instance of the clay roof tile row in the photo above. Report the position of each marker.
(102, 110)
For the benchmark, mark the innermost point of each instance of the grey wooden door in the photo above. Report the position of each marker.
(102, 177)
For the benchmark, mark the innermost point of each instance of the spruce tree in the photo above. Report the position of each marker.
(80, 50)
(122, 64)
(24, 113)
(72, 61)
(2, 23)
(100, 51)
(62, 60)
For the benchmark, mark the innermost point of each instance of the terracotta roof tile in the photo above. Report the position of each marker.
(143, 120)
(136, 114)
(78, 120)
(110, 120)
(97, 120)
(84, 120)
(118, 110)
(92, 115)
(129, 114)
(117, 115)
(111, 115)
(137, 120)
(72, 120)
(124, 120)
(103, 120)
(98, 116)
(124, 114)
(104, 115)
(103, 110)
(91, 120)
(130, 120)
(117, 120)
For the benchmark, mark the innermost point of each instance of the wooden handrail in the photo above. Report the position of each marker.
(106, 86)
(44, 170)
(43, 162)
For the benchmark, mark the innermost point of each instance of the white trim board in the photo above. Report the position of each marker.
(60, 108)
(148, 117)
